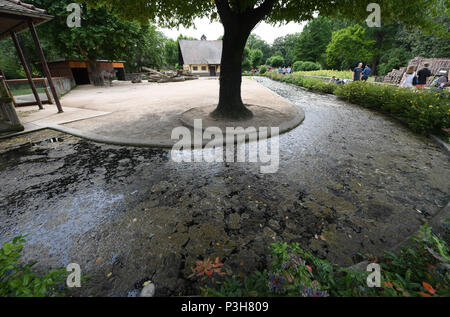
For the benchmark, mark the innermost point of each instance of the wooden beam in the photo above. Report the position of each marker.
(27, 70)
(44, 64)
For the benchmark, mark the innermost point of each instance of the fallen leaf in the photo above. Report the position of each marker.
(429, 288)
(98, 259)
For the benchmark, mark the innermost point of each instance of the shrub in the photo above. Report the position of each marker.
(18, 280)
(305, 66)
(275, 61)
(424, 111)
(263, 69)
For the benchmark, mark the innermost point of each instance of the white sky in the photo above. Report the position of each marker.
(214, 30)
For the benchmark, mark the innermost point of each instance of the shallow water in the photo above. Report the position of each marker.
(350, 181)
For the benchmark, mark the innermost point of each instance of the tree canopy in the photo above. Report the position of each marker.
(172, 13)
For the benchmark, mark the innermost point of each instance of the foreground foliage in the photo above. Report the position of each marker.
(424, 111)
(19, 280)
(422, 268)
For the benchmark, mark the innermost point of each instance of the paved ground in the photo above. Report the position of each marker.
(350, 181)
(148, 112)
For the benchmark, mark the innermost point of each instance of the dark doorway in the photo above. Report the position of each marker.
(212, 70)
(81, 76)
(120, 73)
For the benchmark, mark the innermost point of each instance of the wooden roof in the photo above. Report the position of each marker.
(14, 15)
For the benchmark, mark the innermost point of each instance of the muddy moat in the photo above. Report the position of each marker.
(350, 181)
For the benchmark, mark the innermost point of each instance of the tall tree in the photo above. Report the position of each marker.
(256, 57)
(255, 42)
(171, 52)
(240, 17)
(286, 46)
(348, 47)
(102, 35)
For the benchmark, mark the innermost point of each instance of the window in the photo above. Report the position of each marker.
(195, 68)
(204, 68)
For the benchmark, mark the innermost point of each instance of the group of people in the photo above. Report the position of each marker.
(360, 73)
(413, 78)
(285, 70)
(338, 81)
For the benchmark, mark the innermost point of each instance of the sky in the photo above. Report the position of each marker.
(214, 30)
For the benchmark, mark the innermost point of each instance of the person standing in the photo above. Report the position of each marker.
(366, 73)
(423, 75)
(289, 70)
(408, 77)
(357, 72)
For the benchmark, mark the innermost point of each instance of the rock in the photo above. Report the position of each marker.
(133, 293)
(148, 291)
(274, 224)
(234, 221)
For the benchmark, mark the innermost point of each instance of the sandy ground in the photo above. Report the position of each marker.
(150, 111)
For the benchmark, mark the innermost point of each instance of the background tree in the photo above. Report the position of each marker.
(246, 62)
(276, 61)
(255, 42)
(9, 61)
(171, 52)
(285, 45)
(240, 17)
(348, 47)
(256, 57)
(102, 35)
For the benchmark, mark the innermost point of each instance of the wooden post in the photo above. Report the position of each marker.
(44, 64)
(7, 109)
(26, 69)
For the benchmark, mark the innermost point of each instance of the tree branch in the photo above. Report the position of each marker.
(260, 12)
(224, 10)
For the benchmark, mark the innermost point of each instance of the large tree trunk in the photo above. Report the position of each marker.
(230, 102)
(238, 23)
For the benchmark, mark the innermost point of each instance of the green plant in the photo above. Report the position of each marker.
(19, 280)
(275, 61)
(263, 69)
(305, 66)
(424, 111)
(421, 268)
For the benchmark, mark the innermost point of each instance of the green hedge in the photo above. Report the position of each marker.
(305, 66)
(422, 110)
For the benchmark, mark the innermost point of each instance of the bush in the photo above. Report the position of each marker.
(424, 111)
(18, 280)
(263, 70)
(420, 269)
(305, 66)
(275, 61)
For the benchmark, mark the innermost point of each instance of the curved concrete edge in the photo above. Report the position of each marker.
(110, 140)
(442, 144)
(285, 127)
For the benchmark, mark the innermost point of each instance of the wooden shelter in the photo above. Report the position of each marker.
(15, 17)
(80, 71)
